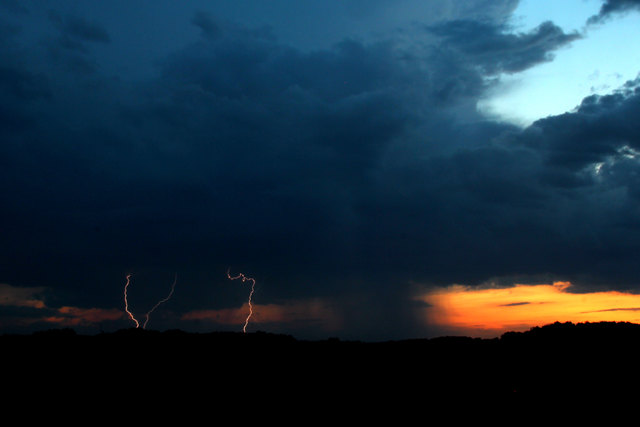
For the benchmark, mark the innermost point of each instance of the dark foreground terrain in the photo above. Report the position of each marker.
(255, 370)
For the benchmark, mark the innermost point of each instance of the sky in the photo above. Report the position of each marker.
(373, 170)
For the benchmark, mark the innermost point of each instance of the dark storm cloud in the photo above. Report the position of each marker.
(14, 6)
(18, 89)
(8, 31)
(76, 28)
(599, 129)
(318, 24)
(297, 134)
(497, 50)
(206, 23)
(611, 7)
(589, 164)
(72, 47)
(345, 172)
(22, 84)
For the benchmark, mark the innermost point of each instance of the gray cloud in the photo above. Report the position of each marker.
(611, 7)
(597, 130)
(497, 50)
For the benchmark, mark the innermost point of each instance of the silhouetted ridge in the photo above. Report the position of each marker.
(562, 357)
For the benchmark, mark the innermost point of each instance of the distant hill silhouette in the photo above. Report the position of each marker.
(261, 368)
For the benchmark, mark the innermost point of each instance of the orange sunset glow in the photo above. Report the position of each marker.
(490, 312)
(294, 312)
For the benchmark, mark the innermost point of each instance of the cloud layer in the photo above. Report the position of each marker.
(350, 173)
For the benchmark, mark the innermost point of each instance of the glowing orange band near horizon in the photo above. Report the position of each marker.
(253, 284)
(126, 303)
(492, 311)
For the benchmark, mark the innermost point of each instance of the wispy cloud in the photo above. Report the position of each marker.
(514, 304)
(611, 7)
(21, 296)
(33, 298)
(614, 309)
(291, 312)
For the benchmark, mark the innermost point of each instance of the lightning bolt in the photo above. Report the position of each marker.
(126, 303)
(253, 284)
(162, 301)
